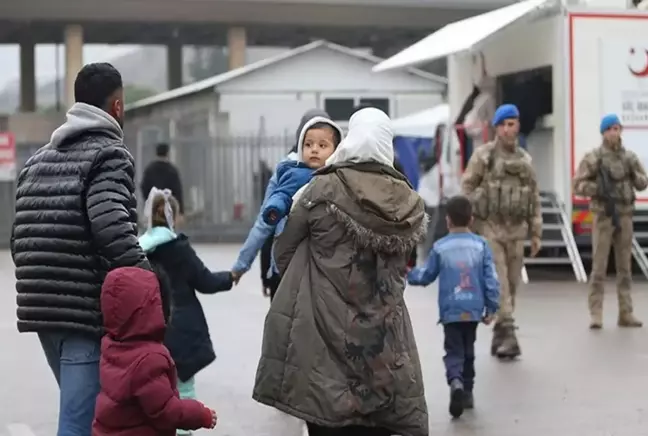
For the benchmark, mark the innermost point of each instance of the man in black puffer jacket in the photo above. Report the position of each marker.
(75, 221)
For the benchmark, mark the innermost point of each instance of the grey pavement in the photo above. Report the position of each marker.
(569, 380)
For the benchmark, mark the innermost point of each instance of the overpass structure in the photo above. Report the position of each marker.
(383, 25)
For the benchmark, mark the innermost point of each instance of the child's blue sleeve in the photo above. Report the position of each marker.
(280, 200)
(427, 274)
(491, 282)
(259, 233)
(290, 179)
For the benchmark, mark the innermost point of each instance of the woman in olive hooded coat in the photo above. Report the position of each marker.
(338, 347)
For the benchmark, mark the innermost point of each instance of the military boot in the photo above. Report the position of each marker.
(457, 394)
(596, 320)
(498, 338)
(509, 349)
(626, 316)
(627, 319)
(595, 304)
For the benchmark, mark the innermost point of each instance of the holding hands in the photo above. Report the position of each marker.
(236, 276)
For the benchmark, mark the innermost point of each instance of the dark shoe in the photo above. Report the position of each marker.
(456, 398)
(468, 400)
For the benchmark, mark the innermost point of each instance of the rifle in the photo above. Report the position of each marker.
(606, 193)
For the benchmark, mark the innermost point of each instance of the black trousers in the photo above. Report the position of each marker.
(459, 344)
(271, 283)
(316, 430)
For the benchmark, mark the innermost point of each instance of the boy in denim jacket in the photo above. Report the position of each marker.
(468, 294)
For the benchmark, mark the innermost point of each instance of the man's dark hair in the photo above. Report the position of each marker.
(162, 150)
(323, 125)
(95, 83)
(459, 210)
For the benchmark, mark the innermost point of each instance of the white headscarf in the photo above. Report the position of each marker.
(369, 139)
(168, 211)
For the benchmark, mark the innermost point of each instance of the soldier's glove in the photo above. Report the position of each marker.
(589, 189)
(536, 245)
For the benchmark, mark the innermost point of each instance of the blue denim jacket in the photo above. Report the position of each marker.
(261, 231)
(468, 283)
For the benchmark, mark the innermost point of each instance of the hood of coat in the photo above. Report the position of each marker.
(311, 113)
(376, 204)
(84, 118)
(154, 237)
(307, 125)
(370, 139)
(174, 254)
(131, 305)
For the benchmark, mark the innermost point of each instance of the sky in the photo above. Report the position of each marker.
(46, 59)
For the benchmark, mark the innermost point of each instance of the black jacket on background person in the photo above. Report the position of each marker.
(75, 221)
(162, 174)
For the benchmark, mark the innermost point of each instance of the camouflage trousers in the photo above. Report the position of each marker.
(604, 237)
(509, 258)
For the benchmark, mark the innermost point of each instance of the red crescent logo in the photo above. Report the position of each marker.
(643, 72)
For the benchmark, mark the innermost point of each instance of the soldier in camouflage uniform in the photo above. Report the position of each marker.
(626, 174)
(502, 185)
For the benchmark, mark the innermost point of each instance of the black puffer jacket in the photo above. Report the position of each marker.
(75, 220)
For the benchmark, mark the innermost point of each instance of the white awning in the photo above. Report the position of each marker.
(459, 36)
(422, 124)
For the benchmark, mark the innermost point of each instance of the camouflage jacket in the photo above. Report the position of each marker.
(338, 345)
(627, 174)
(476, 180)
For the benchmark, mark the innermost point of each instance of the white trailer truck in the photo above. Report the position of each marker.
(593, 56)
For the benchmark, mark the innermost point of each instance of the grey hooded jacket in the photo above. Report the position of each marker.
(75, 220)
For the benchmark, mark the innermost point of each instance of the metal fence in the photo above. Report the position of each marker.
(223, 180)
(8, 193)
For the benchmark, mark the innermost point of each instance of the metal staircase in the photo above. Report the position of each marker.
(558, 243)
(640, 240)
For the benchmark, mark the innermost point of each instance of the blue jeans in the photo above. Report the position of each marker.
(74, 360)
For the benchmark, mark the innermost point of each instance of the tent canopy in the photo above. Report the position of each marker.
(460, 36)
(422, 124)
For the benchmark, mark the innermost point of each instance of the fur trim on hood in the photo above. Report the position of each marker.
(388, 244)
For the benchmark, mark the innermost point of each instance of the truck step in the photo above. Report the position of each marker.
(547, 261)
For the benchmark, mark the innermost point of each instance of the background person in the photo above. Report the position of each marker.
(502, 183)
(163, 174)
(626, 174)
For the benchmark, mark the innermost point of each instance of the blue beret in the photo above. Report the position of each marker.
(608, 121)
(504, 112)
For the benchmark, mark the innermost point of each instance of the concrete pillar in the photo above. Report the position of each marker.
(174, 64)
(27, 75)
(236, 45)
(73, 59)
